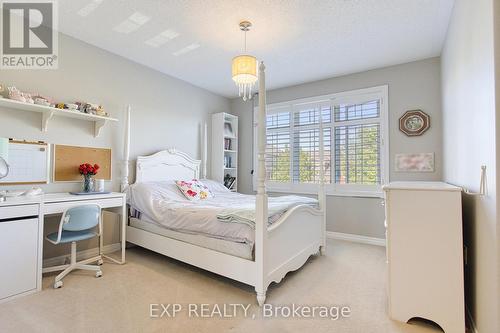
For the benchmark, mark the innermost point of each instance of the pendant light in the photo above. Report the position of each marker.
(244, 68)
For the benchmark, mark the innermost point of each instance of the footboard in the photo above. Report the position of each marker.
(292, 240)
(300, 232)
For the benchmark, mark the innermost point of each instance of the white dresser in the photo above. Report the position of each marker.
(425, 253)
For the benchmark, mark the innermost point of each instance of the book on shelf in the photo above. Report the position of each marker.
(227, 144)
(228, 162)
(229, 181)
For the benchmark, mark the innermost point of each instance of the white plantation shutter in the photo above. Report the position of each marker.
(278, 156)
(357, 154)
(306, 164)
(357, 143)
(354, 125)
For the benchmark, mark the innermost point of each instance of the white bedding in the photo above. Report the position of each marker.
(164, 204)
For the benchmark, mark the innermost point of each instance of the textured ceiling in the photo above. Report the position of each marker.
(300, 41)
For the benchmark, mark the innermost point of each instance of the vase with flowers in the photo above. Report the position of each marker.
(88, 170)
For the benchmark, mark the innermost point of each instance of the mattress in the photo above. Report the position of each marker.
(237, 249)
(163, 204)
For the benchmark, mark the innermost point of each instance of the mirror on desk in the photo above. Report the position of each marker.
(4, 168)
(4, 151)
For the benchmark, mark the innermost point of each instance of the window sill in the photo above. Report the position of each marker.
(375, 193)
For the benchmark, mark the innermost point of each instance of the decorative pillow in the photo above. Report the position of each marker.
(194, 189)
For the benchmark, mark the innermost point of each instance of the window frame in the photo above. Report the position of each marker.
(349, 97)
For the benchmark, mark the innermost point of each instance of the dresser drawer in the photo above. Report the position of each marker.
(19, 211)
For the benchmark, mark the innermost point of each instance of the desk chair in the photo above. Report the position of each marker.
(77, 224)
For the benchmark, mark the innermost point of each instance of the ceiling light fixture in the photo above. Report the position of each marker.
(244, 68)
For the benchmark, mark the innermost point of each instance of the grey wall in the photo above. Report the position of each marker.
(414, 85)
(469, 137)
(166, 112)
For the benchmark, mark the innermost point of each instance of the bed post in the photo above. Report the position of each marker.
(204, 151)
(261, 199)
(126, 152)
(321, 190)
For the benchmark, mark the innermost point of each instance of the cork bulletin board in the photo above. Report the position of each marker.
(68, 158)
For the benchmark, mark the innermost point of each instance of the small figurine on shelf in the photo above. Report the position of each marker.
(100, 111)
(79, 106)
(72, 106)
(28, 98)
(43, 100)
(85, 108)
(16, 95)
(93, 108)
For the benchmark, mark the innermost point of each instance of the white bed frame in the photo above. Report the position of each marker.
(283, 247)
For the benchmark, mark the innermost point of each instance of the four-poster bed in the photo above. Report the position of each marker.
(279, 248)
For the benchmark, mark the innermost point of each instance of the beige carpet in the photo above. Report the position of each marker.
(349, 274)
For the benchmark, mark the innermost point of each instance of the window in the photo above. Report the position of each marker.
(355, 149)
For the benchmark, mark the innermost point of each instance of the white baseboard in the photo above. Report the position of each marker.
(81, 255)
(470, 320)
(356, 238)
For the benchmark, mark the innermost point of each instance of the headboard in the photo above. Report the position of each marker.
(169, 164)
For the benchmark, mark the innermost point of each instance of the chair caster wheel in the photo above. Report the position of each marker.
(100, 262)
(58, 284)
(98, 274)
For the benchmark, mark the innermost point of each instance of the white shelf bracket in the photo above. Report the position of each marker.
(98, 125)
(46, 116)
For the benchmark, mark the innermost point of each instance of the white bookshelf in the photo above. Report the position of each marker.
(225, 148)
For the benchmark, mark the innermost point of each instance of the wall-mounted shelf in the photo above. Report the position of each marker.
(49, 112)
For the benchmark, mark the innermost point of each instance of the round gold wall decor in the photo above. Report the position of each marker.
(414, 122)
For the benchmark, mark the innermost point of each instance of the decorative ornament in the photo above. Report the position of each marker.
(414, 122)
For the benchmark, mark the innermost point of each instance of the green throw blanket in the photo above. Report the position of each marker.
(277, 206)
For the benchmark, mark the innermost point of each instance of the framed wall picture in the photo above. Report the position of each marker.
(414, 162)
(414, 122)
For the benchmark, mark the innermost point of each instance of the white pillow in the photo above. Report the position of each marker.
(166, 190)
(215, 186)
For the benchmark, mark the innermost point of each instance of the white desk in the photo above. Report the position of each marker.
(21, 236)
(57, 203)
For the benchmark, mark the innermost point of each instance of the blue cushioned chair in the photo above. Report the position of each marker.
(77, 224)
